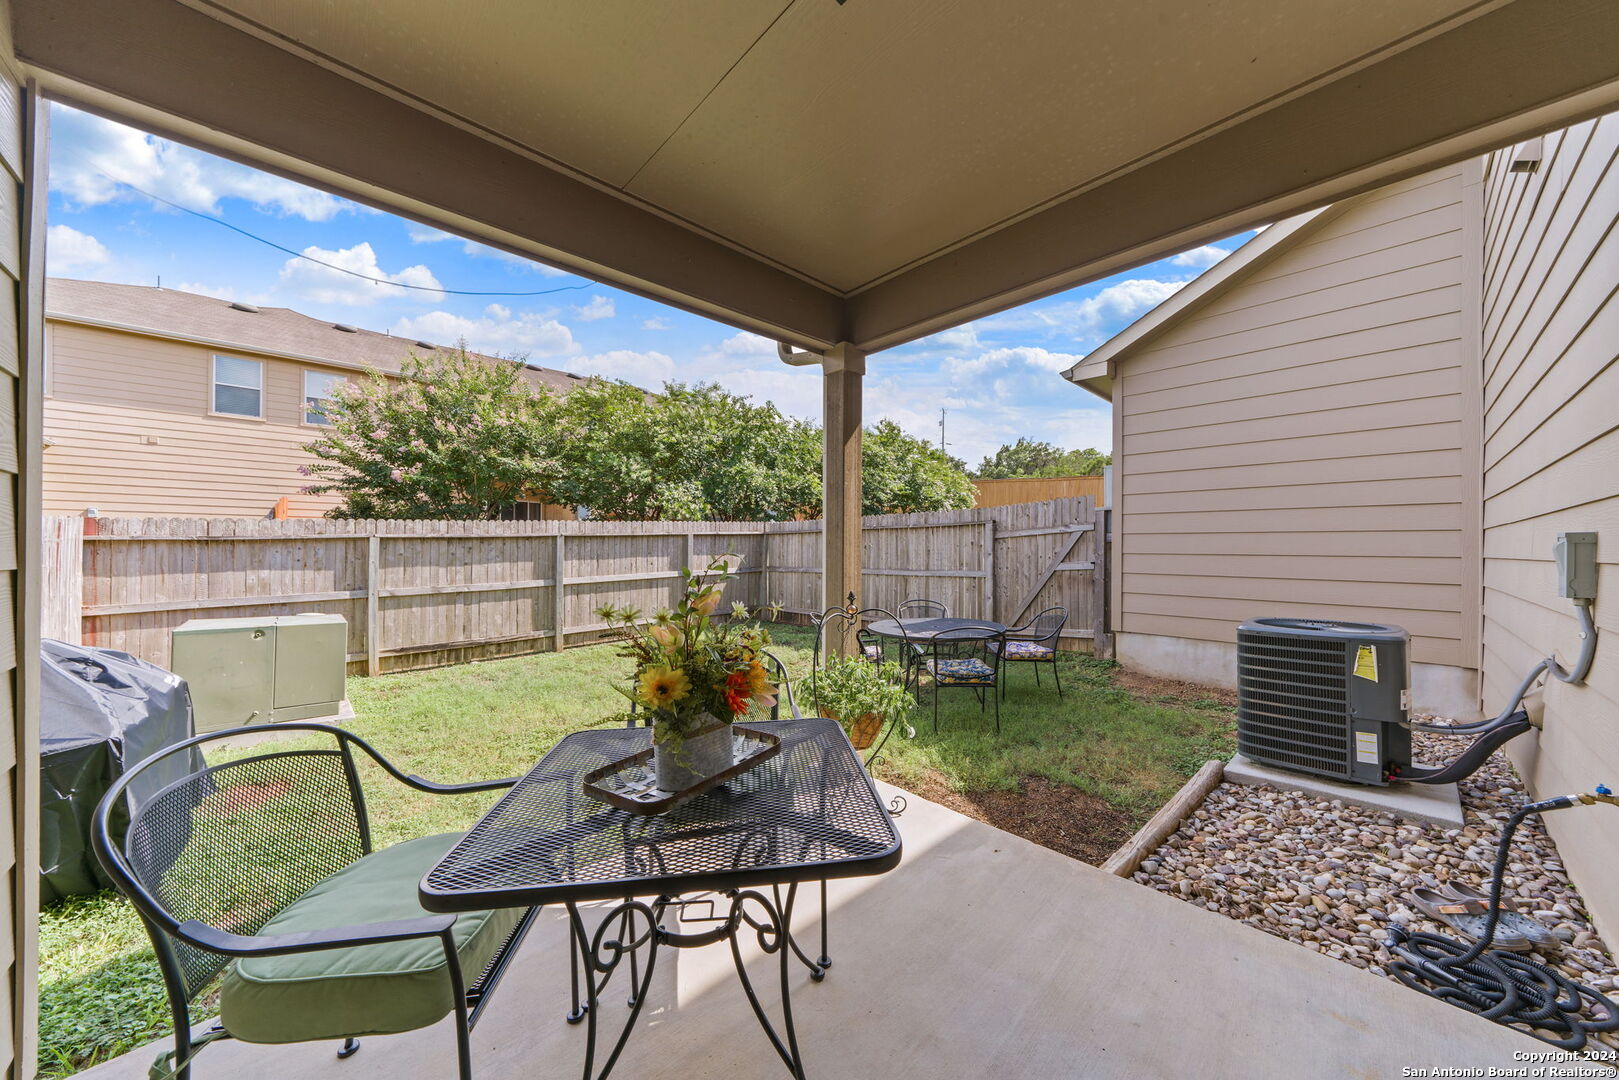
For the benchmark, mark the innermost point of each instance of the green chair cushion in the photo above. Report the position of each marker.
(359, 990)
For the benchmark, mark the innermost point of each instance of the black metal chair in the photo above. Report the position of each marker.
(923, 609)
(239, 868)
(1035, 642)
(968, 658)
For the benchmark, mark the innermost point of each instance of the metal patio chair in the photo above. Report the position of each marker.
(1035, 642)
(260, 871)
(921, 609)
(968, 658)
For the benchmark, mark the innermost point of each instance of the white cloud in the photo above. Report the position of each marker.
(531, 334)
(655, 324)
(995, 359)
(223, 292)
(484, 251)
(960, 337)
(69, 251)
(1118, 303)
(93, 159)
(308, 280)
(649, 370)
(426, 234)
(1200, 257)
(597, 307)
(746, 344)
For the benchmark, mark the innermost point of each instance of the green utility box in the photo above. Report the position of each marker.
(258, 670)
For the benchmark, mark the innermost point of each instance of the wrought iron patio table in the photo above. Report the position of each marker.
(807, 814)
(922, 630)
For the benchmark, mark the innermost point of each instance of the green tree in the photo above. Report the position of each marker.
(692, 452)
(1026, 457)
(458, 438)
(902, 474)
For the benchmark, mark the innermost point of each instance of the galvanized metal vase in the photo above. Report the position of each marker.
(686, 761)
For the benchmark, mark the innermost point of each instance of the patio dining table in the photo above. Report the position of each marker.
(924, 630)
(807, 814)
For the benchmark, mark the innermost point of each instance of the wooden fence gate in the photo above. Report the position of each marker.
(426, 593)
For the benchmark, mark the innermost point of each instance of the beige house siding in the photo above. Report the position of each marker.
(130, 429)
(1551, 464)
(22, 190)
(1296, 445)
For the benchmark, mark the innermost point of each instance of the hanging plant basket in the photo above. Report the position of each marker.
(864, 731)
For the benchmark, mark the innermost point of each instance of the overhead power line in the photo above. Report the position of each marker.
(322, 262)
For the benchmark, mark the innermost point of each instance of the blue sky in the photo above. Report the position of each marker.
(999, 377)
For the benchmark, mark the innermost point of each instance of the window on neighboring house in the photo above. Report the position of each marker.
(319, 389)
(238, 387)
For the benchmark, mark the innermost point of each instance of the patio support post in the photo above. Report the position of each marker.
(843, 371)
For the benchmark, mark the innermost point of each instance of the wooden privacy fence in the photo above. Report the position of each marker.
(425, 593)
(1024, 489)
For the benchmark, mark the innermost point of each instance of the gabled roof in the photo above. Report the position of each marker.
(1095, 372)
(275, 331)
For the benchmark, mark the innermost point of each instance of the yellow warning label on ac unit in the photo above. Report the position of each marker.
(1366, 663)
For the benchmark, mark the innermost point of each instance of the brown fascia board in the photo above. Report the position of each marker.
(183, 74)
(1528, 67)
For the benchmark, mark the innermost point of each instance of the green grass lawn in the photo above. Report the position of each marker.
(100, 994)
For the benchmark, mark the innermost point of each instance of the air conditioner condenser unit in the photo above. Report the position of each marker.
(1326, 697)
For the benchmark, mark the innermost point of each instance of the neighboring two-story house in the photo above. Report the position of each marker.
(161, 402)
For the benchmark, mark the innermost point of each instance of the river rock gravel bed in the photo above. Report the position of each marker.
(1332, 876)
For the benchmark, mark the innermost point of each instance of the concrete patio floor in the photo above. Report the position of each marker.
(981, 956)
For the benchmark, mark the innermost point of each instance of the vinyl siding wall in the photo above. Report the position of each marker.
(130, 430)
(1551, 464)
(1299, 444)
(21, 175)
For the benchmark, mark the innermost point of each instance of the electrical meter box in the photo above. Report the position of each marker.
(263, 669)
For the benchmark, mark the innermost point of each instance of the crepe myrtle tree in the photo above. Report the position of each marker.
(458, 437)
(1027, 457)
(901, 474)
(689, 452)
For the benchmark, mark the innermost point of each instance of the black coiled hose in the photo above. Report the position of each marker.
(1500, 986)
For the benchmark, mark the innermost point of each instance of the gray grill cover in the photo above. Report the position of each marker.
(101, 712)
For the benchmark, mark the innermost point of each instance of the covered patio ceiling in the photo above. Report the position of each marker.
(821, 172)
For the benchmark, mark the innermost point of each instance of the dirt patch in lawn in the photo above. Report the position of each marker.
(1056, 816)
(1156, 688)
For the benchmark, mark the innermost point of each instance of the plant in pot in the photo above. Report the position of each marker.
(862, 696)
(697, 674)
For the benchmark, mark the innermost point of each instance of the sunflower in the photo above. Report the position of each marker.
(661, 687)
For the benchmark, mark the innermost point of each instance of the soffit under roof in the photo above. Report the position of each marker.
(843, 142)
(869, 172)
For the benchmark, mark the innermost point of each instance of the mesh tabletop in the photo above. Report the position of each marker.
(806, 814)
(926, 629)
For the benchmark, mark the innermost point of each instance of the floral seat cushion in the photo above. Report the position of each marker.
(1026, 650)
(872, 652)
(962, 671)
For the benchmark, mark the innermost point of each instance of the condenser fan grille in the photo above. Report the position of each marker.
(1293, 700)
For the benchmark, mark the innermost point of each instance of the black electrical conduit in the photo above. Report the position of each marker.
(1501, 986)
(1549, 666)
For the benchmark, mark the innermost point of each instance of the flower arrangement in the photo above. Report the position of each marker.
(693, 670)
